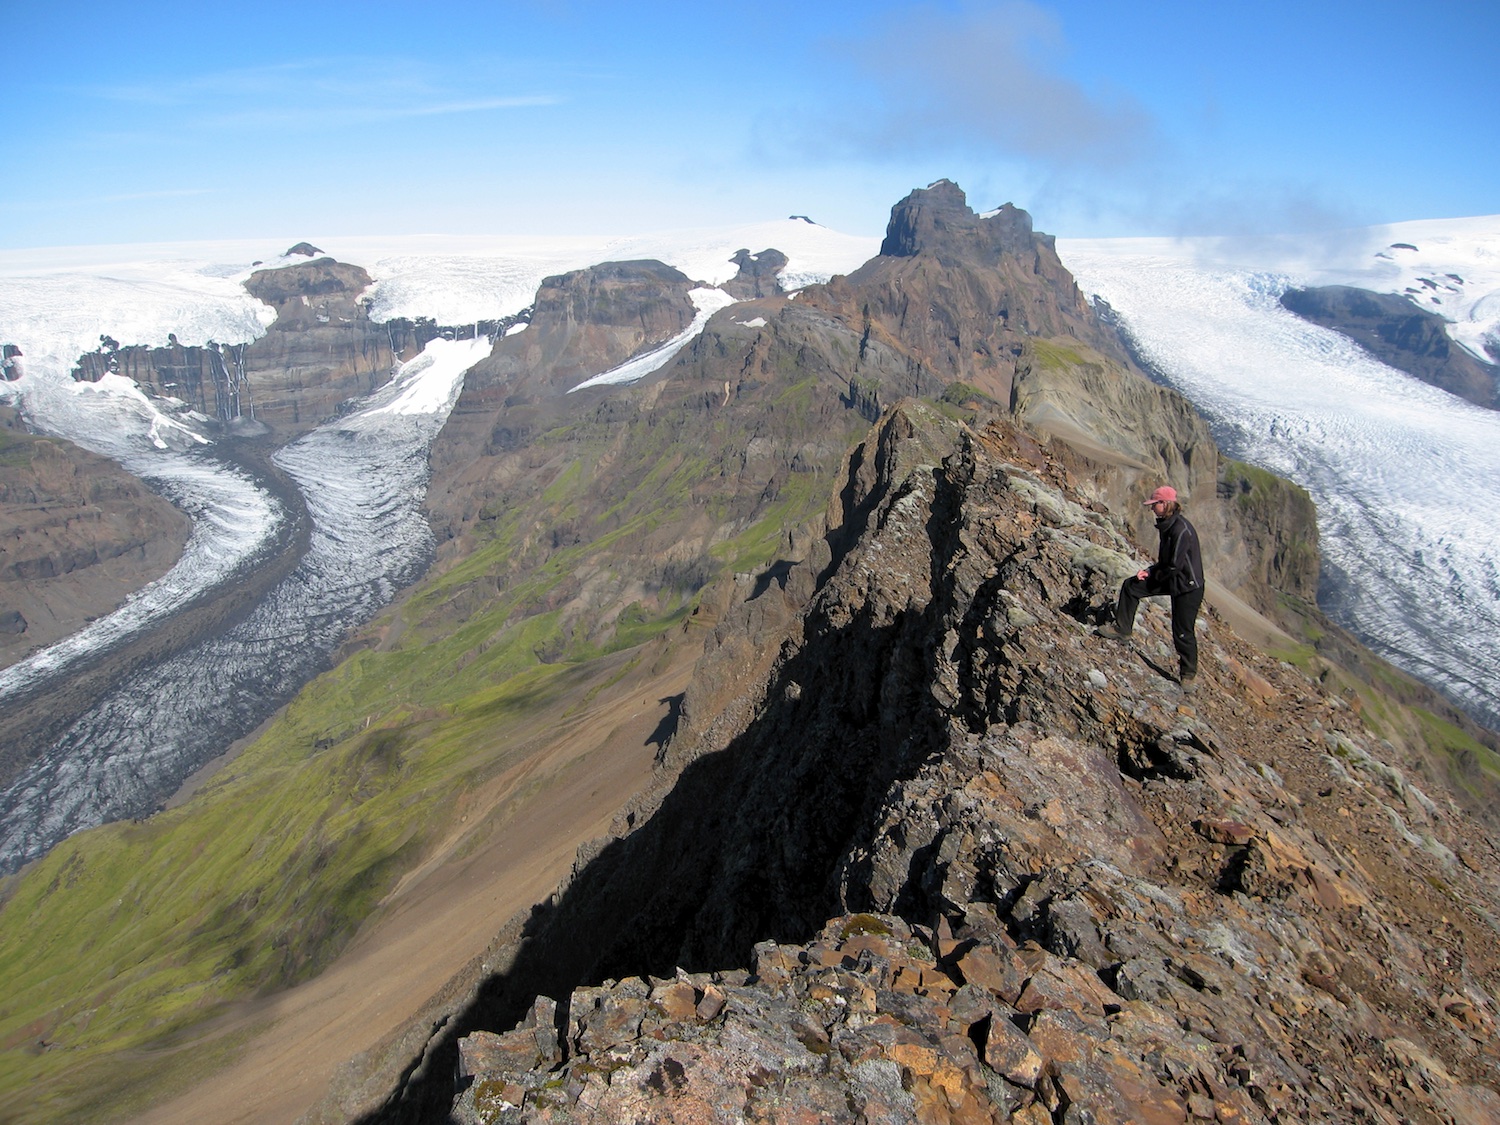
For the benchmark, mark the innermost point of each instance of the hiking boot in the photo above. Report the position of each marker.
(1189, 684)
(1112, 632)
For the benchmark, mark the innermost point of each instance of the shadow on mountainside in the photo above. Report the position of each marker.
(749, 842)
(920, 722)
(745, 847)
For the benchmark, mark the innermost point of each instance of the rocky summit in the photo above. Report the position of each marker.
(924, 847)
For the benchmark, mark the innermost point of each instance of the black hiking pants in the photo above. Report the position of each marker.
(1184, 618)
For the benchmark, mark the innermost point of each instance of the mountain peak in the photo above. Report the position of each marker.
(938, 219)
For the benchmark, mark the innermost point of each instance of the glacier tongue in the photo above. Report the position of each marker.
(1405, 476)
(363, 477)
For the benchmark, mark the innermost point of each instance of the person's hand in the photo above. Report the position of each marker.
(1142, 574)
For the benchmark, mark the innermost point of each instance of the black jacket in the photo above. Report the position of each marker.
(1179, 564)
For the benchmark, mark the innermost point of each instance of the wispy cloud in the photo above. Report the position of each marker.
(988, 80)
(327, 115)
(987, 87)
(96, 200)
(320, 93)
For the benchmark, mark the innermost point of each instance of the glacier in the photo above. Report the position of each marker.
(362, 476)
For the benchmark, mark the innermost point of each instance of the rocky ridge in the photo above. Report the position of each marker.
(904, 713)
(931, 851)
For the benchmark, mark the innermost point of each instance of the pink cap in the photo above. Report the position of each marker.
(1165, 492)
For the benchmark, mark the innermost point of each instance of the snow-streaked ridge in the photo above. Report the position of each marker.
(706, 301)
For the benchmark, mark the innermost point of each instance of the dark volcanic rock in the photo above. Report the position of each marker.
(586, 322)
(311, 293)
(966, 294)
(757, 276)
(1058, 890)
(1399, 333)
(937, 220)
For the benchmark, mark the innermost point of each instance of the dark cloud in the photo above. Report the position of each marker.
(990, 80)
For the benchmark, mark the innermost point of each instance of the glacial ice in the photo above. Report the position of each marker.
(363, 477)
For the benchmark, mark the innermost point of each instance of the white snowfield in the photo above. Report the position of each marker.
(56, 302)
(1406, 477)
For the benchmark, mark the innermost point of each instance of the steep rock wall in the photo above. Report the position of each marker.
(322, 350)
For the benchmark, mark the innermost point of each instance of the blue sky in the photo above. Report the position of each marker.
(146, 121)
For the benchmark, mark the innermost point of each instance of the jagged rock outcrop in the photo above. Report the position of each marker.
(1398, 332)
(81, 534)
(757, 276)
(1105, 902)
(964, 293)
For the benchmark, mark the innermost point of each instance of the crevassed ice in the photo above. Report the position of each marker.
(363, 477)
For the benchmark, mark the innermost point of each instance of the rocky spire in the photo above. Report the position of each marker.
(937, 220)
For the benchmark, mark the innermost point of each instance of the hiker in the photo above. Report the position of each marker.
(1177, 573)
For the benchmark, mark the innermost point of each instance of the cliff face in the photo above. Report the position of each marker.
(586, 322)
(81, 533)
(322, 350)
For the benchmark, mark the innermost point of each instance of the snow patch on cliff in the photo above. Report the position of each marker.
(706, 301)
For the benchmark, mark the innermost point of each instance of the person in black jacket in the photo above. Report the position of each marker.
(1177, 573)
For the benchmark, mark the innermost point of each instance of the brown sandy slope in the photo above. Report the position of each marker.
(514, 843)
